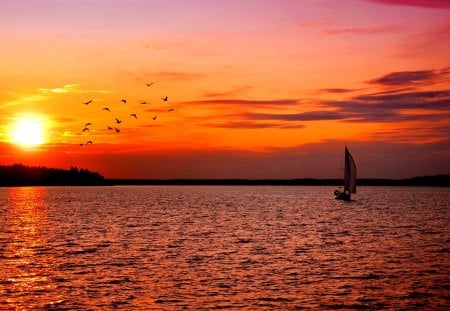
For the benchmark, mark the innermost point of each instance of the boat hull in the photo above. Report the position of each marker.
(344, 196)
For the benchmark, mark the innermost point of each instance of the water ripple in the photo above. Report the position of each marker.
(203, 248)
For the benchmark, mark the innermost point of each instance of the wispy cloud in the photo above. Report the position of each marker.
(24, 100)
(174, 75)
(363, 30)
(432, 41)
(321, 115)
(68, 88)
(232, 92)
(436, 4)
(413, 134)
(251, 125)
(244, 102)
(72, 88)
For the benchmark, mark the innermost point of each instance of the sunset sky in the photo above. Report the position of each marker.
(258, 88)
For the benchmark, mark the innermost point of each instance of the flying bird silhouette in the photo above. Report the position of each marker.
(106, 109)
(110, 128)
(86, 129)
(154, 118)
(123, 101)
(89, 142)
(144, 103)
(88, 102)
(133, 115)
(149, 84)
(171, 109)
(118, 121)
(117, 129)
(165, 98)
(87, 124)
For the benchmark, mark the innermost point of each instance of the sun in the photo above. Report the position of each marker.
(28, 132)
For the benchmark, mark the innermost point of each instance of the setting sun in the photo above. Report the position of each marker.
(28, 132)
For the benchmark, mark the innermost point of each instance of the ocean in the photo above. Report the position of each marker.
(224, 247)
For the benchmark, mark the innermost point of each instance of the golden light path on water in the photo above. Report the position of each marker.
(27, 255)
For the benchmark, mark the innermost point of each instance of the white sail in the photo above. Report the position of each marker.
(350, 173)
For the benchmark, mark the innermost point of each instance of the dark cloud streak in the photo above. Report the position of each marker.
(394, 107)
(335, 90)
(436, 4)
(405, 78)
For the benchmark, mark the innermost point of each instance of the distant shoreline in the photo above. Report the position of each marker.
(19, 175)
(429, 181)
(425, 181)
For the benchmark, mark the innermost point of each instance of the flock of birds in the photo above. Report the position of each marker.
(116, 128)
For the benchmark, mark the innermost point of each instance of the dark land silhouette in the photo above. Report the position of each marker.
(437, 181)
(21, 175)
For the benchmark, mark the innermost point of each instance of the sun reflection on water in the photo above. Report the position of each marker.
(25, 262)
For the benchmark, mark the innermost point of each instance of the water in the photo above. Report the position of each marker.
(203, 248)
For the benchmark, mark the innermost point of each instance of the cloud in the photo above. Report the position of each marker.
(68, 88)
(413, 134)
(335, 90)
(71, 88)
(436, 4)
(24, 100)
(409, 106)
(378, 107)
(252, 125)
(402, 78)
(173, 75)
(433, 41)
(363, 30)
(232, 92)
(303, 116)
(244, 102)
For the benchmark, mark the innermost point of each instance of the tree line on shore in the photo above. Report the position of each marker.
(21, 175)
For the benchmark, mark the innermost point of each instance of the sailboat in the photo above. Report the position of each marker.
(349, 178)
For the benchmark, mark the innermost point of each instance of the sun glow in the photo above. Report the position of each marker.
(28, 132)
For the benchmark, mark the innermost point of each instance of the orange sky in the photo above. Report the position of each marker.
(260, 89)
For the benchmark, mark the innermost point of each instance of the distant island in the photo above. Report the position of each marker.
(21, 175)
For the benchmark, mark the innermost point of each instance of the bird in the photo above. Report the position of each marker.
(110, 128)
(88, 102)
(165, 98)
(81, 145)
(106, 109)
(87, 124)
(133, 115)
(86, 129)
(149, 84)
(154, 118)
(144, 103)
(123, 101)
(117, 129)
(118, 121)
(89, 142)
(171, 109)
